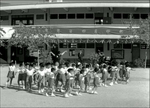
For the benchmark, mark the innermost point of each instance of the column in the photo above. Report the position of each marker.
(8, 54)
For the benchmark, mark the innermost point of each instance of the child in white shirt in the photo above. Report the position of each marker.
(41, 78)
(30, 74)
(50, 76)
(10, 74)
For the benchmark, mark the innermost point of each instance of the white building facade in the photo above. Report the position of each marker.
(81, 25)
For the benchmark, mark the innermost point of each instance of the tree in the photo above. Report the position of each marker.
(142, 33)
(34, 38)
(2, 32)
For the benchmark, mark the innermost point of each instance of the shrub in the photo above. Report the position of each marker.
(139, 62)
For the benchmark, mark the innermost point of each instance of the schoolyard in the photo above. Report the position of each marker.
(134, 94)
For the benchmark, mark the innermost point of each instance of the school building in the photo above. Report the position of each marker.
(88, 25)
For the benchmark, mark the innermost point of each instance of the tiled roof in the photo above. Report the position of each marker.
(23, 2)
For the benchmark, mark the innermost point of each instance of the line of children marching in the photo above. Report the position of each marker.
(69, 78)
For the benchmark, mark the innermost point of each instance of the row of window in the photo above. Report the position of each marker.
(128, 15)
(72, 16)
(92, 45)
(80, 16)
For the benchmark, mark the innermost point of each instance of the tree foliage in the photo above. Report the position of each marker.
(33, 37)
(142, 33)
(2, 32)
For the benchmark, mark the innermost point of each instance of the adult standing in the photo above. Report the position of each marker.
(80, 56)
(58, 56)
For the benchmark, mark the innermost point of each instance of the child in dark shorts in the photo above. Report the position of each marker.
(50, 77)
(95, 81)
(81, 82)
(105, 75)
(127, 72)
(69, 82)
(10, 74)
(21, 75)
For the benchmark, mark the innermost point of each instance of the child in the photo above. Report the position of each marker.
(95, 81)
(29, 72)
(69, 82)
(50, 76)
(10, 74)
(105, 75)
(77, 73)
(87, 78)
(36, 68)
(113, 73)
(41, 78)
(61, 77)
(81, 82)
(127, 73)
(25, 74)
(21, 72)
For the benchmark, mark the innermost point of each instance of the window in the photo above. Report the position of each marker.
(4, 18)
(72, 45)
(127, 46)
(117, 16)
(136, 16)
(63, 45)
(90, 45)
(71, 16)
(80, 16)
(118, 46)
(126, 16)
(81, 45)
(54, 16)
(108, 45)
(40, 16)
(89, 16)
(99, 15)
(62, 16)
(144, 16)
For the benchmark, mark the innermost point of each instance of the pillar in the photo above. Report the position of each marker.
(8, 54)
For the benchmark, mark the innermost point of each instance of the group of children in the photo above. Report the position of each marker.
(69, 78)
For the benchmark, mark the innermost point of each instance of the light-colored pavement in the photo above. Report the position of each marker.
(134, 94)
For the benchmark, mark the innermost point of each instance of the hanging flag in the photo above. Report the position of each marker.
(95, 31)
(58, 30)
(70, 30)
(108, 31)
(83, 31)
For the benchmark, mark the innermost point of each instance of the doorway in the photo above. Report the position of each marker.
(135, 51)
(99, 47)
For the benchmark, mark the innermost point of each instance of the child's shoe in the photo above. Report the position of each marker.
(53, 95)
(116, 82)
(47, 94)
(105, 85)
(111, 84)
(70, 94)
(23, 87)
(66, 96)
(76, 93)
(39, 91)
(6, 84)
(79, 94)
(95, 92)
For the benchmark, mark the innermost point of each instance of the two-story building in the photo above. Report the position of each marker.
(88, 25)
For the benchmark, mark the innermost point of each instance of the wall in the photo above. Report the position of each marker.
(127, 10)
(142, 53)
(89, 52)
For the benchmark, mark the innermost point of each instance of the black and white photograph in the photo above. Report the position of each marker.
(74, 53)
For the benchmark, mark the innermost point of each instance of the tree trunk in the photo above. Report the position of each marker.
(146, 57)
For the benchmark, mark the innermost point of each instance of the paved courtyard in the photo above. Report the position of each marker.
(134, 94)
